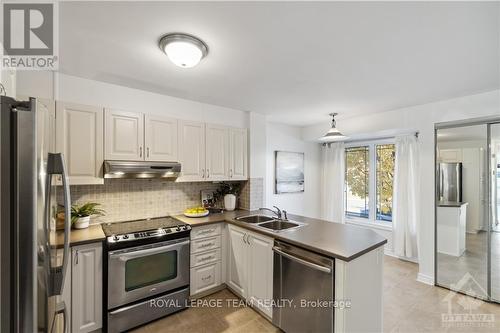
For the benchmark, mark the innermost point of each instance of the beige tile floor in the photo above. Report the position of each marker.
(474, 261)
(409, 306)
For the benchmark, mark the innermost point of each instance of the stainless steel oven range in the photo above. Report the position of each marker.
(147, 271)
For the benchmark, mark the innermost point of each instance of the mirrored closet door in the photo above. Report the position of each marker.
(461, 209)
(494, 175)
(467, 208)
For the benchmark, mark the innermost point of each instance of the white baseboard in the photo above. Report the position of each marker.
(425, 279)
(392, 254)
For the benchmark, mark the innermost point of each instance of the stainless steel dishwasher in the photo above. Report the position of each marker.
(304, 278)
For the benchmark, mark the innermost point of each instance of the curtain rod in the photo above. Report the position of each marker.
(372, 139)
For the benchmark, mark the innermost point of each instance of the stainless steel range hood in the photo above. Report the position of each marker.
(134, 169)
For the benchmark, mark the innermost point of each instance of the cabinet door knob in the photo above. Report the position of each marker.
(202, 173)
(140, 151)
(147, 151)
(208, 173)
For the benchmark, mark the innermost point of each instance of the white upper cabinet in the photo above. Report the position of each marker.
(124, 135)
(79, 136)
(217, 157)
(212, 152)
(160, 138)
(238, 154)
(192, 150)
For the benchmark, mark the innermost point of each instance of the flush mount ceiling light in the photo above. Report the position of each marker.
(183, 50)
(333, 133)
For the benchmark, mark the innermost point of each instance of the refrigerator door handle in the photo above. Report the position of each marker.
(56, 166)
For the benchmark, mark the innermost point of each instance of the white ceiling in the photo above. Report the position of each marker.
(295, 62)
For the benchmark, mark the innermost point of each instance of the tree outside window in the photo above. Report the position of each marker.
(357, 181)
(385, 180)
(369, 178)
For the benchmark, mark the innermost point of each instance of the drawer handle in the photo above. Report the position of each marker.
(207, 231)
(207, 277)
(206, 258)
(207, 244)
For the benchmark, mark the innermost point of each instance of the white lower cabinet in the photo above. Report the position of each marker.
(360, 282)
(206, 258)
(205, 277)
(250, 267)
(237, 261)
(260, 272)
(86, 288)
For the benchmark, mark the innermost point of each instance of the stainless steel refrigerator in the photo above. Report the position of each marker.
(33, 272)
(450, 182)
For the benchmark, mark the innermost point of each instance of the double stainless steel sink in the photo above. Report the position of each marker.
(270, 223)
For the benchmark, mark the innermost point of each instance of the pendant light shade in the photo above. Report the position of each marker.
(333, 133)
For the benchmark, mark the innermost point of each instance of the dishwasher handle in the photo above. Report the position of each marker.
(302, 261)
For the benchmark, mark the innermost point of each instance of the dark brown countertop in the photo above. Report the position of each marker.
(341, 241)
(451, 203)
(91, 234)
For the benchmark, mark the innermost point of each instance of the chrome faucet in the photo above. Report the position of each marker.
(277, 212)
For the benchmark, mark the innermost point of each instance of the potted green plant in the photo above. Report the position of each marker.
(229, 192)
(80, 214)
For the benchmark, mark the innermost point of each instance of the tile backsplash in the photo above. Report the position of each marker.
(252, 194)
(131, 199)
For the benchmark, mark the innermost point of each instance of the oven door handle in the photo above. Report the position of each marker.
(142, 252)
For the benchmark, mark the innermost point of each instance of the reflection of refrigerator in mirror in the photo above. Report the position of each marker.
(450, 182)
(494, 144)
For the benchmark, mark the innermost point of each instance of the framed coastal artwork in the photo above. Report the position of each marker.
(289, 172)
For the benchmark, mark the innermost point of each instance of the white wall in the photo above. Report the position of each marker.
(8, 80)
(257, 144)
(421, 118)
(463, 144)
(79, 90)
(288, 138)
(35, 84)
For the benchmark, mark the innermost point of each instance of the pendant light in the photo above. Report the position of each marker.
(183, 50)
(333, 133)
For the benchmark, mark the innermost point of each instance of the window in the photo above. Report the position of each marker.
(385, 176)
(369, 181)
(357, 182)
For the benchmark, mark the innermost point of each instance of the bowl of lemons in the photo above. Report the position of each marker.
(196, 212)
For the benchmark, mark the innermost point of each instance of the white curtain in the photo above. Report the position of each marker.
(406, 191)
(332, 182)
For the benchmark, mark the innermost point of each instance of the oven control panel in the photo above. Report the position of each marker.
(141, 235)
